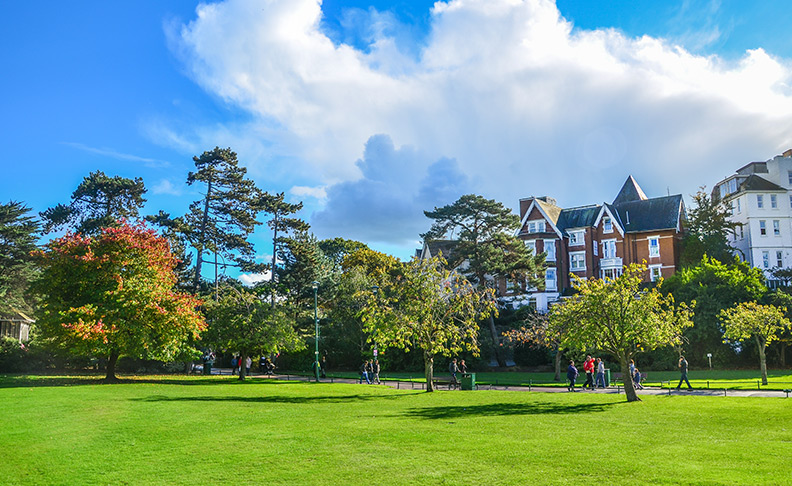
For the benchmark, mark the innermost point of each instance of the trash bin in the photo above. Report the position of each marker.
(207, 368)
(607, 376)
(468, 381)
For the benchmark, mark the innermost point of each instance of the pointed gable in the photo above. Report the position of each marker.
(630, 191)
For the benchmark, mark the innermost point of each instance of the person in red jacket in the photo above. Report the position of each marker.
(588, 367)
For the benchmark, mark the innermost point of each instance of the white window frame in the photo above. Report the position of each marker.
(614, 273)
(550, 256)
(742, 233)
(779, 259)
(572, 259)
(596, 248)
(548, 272)
(789, 177)
(762, 227)
(739, 205)
(732, 186)
(776, 227)
(607, 225)
(760, 201)
(606, 244)
(655, 272)
(773, 201)
(577, 238)
(656, 247)
(531, 245)
(765, 259)
(536, 226)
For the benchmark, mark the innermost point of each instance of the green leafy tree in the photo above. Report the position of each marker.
(430, 308)
(619, 317)
(98, 202)
(282, 227)
(536, 332)
(708, 229)
(112, 295)
(484, 230)
(303, 264)
(762, 322)
(240, 320)
(337, 249)
(18, 232)
(713, 286)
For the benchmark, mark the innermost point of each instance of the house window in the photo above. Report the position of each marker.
(731, 208)
(789, 177)
(762, 227)
(732, 186)
(742, 235)
(537, 226)
(723, 191)
(776, 227)
(610, 273)
(607, 225)
(654, 273)
(512, 285)
(596, 248)
(531, 245)
(609, 249)
(766, 259)
(550, 279)
(654, 246)
(549, 248)
(739, 204)
(779, 259)
(577, 260)
(576, 238)
(790, 201)
(759, 201)
(773, 201)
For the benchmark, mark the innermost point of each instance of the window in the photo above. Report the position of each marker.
(654, 246)
(576, 238)
(765, 259)
(512, 285)
(550, 279)
(537, 226)
(776, 227)
(773, 201)
(739, 204)
(790, 201)
(607, 225)
(762, 227)
(779, 259)
(759, 201)
(549, 248)
(596, 248)
(577, 260)
(789, 176)
(723, 190)
(732, 186)
(655, 273)
(531, 245)
(609, 249)
(610, 273)
(742, 235)
(731, 208)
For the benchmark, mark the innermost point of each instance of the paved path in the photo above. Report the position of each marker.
(411, 385)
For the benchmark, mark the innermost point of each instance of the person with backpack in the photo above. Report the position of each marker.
(364, 373)
(572, 374)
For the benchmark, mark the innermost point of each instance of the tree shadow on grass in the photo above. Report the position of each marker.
(276, 398)
(30, 381)
(503, 409)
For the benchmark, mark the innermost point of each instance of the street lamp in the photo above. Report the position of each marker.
(375, 289)
(315, 286)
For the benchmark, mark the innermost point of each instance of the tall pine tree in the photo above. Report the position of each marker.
(18, 233)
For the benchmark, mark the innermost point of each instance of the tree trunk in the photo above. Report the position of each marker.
(558, 356)
(429, 371)
(111, 364)
(496, 351)
(274, 258)
(202, 242)
(782, 356)
(762, 344)
(629, 389)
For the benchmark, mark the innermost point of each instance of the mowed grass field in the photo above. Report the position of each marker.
(215, 430)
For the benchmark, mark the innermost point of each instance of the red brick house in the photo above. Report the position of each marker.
(598, 240)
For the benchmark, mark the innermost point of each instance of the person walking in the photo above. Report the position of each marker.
(572, 374)
(323, 367)
(600, 380)
(234, 364)
(588, 367)
(462, 367)
(637, 379)
(454, 369)
(683, 369)
(375, 368)
(364, 373)
(248, 363)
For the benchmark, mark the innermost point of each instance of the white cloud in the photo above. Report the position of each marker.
(522, 102)
(108, 152)
(319, 193)
(251, 279)
(166, 187)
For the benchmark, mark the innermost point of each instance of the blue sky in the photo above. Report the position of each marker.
(370, 112)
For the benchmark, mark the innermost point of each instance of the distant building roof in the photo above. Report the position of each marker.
(577, 217)
(630, 191)
(433, 248)
(650, 214)
(758, 183)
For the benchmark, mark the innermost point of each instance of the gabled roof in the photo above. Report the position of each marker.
(630, 191)
(650, 214)
(541, 205)
(433, 248)
(614, 215)
(759, 183)
(578, 217)
(551, 210)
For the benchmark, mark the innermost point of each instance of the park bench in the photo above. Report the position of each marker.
(452, 385)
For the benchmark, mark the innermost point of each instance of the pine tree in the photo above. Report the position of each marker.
(18, 232)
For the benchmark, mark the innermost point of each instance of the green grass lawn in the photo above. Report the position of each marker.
(215, 430)
(731, 379)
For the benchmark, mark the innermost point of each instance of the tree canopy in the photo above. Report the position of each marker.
(113, 295)
(619, 317)
(18, 232)
(707, 232)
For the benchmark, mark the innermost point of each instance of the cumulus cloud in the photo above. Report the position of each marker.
(251, 279)
(505, 94)
(166, 187)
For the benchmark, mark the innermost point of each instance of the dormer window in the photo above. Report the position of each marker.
(607, 225)
(537, 226)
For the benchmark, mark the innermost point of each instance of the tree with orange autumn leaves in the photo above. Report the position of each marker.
(113, 295)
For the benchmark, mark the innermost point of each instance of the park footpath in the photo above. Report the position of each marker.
(617, 389)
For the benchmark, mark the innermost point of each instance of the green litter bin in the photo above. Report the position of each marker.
(468, 381)
(207, 369)
(607, 377)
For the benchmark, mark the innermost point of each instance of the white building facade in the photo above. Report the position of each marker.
(760, 197)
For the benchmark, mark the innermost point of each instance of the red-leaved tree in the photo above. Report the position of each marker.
(113, 295)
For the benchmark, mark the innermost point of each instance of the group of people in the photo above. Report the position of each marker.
(266, 365)
(455, 368)
(236, 364)
(369, 371)
(595, 374)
